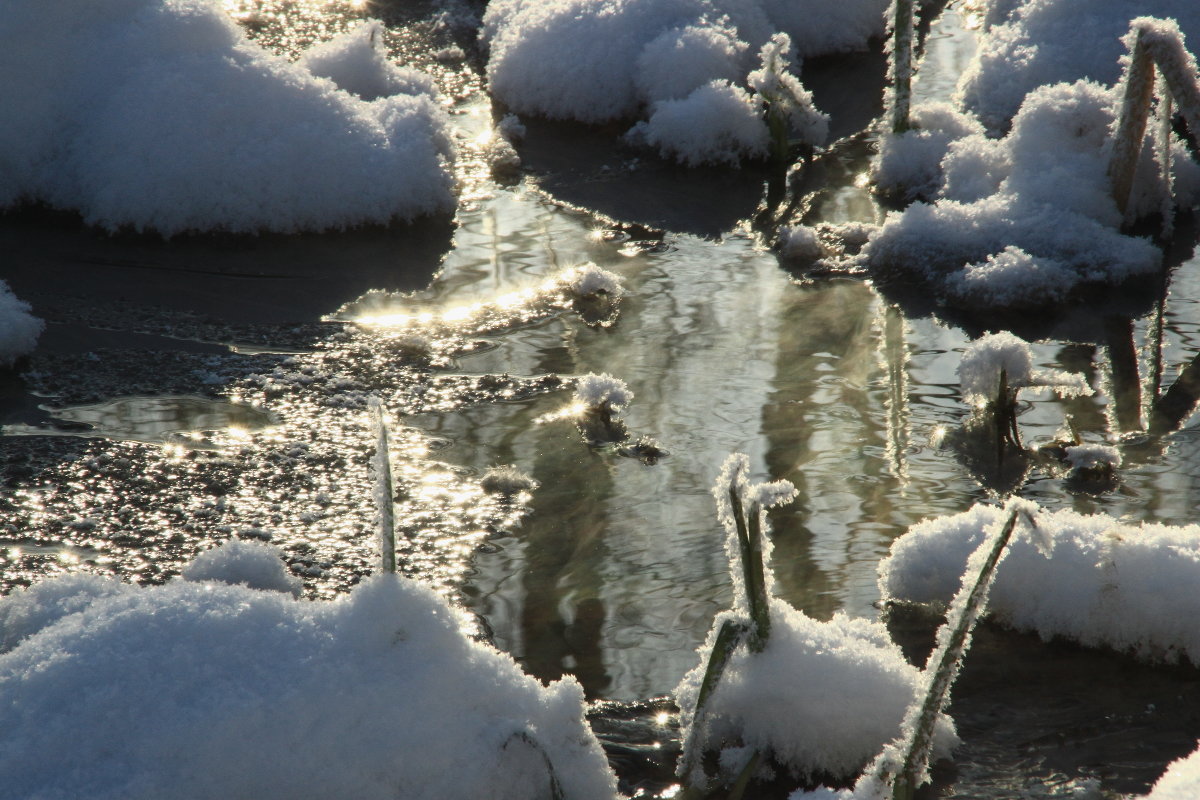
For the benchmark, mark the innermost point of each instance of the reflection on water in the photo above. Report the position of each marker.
(190, 422)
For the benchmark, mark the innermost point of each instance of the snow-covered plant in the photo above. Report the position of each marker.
(789, 106)
(741, 508)
(996, 366)
(384, 494)
(602, 399)
(903, 765)
(1151, 42)
(594, 293)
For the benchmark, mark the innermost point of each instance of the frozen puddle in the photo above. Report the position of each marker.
(194, 423)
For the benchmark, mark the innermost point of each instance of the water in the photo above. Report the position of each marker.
(612, 569)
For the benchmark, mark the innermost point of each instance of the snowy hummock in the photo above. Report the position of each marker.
(205, 690)
(251, 564)
(1022, 220)
(1181, 781)
(1132, 588)
(987, 357)
(672, 61)
(1056, 41)
(163, 116)
(19, 329)
(822, 697)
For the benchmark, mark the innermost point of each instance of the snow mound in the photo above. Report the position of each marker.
(686, 62)
(1132, 588)
(203, 690)
(357, 62)
(253, 564)
(1056, 41)
(1020, 221)
(822, 697)
(162, 115)
(19, 329)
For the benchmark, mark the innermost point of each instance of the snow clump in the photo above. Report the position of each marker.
(595, 391)
(984, 359)
(1131, 588)
(357, 61)
(252, 564)
(589, 279)
(685, 63)
(163, 116)
(19, 329)
(371, 694)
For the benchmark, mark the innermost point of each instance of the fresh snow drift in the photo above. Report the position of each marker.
(19, 329)
(160, 115)
(208, 690)
(1131, 588)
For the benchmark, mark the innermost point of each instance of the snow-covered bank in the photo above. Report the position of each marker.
(19, 329)
(161, 115)
(1132, 588)
(200, 689)
(683, 64)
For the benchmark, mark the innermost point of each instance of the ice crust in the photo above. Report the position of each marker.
(19, 329)
(161, 115)
(1131, 588)
(205, 690)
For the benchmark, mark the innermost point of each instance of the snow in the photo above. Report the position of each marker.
(1056, 41)
(1103, 585)
(1023, 220)
(252, 564)
(201, 690)
(1093, 457)
(594, 390)
(358, 63)
(1181, 781)
(19, 329)
(683, 63)
(161, 115)
(589, 279)
(821, 697)
(984, 359)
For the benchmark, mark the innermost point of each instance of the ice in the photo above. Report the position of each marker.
(19, 329)
(203, 690)
(1132, 588)
(161, 115)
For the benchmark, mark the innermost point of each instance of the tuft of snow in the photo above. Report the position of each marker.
(1093, 456)
(717, 123)
(1103, 585)
(594, 390)
(822, 697)
(589, 279)
(370, 695)
(1011, 277)
(511, 128)
(982, 362)
(358, 63)
(161, 115)
(247, 563)
(801, 243)
(19, 329)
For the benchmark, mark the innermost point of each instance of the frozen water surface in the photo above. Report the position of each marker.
(609, 568)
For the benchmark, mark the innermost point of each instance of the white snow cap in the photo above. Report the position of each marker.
(718, 123)
(985, 358)
(1093, 456)
(821, 697)
(253, 564)
(203, 690)
(1133, 588)
(594, 390)
(162, 115)
(19, 329)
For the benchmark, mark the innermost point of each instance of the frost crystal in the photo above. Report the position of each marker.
(983, 361)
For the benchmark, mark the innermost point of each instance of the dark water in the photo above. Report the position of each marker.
(612, 569)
